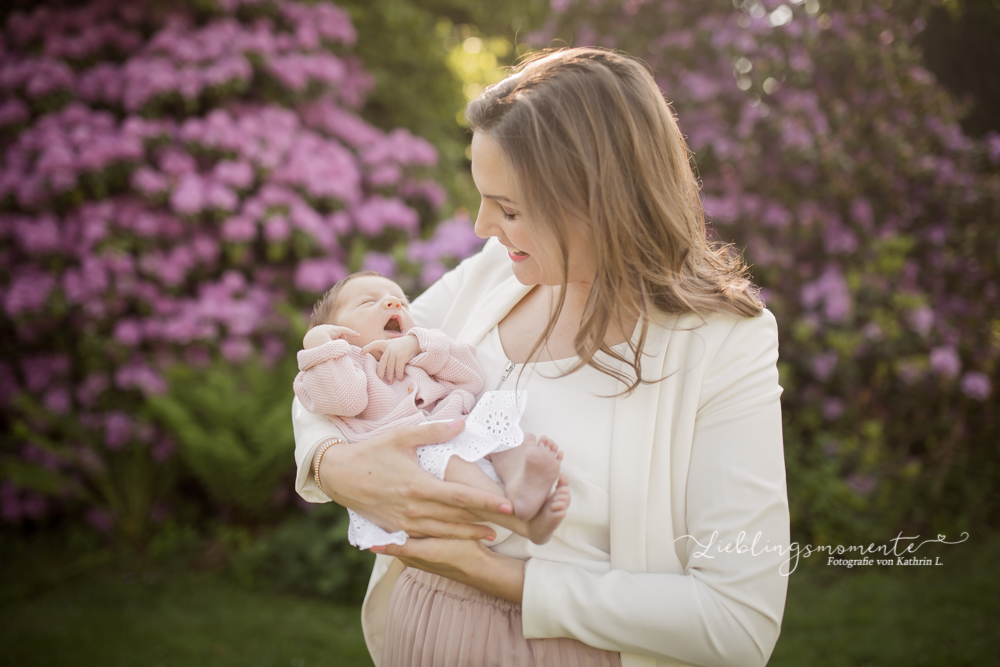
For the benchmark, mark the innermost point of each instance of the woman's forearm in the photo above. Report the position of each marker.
(464, 561)
(498, 575)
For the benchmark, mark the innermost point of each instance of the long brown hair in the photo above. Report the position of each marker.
(593, 142)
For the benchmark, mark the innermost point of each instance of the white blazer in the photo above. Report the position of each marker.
(697, 454)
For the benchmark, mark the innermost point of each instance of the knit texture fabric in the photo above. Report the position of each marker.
(337, 380)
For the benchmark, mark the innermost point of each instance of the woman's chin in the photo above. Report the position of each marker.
(527, 273)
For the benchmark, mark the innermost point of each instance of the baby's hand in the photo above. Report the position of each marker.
(393, 355)
(324, 333)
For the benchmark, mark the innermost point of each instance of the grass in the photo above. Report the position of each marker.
(110, 610)
(876, 616)
(57, 608)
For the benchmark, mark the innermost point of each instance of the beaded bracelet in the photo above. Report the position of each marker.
(319, 458)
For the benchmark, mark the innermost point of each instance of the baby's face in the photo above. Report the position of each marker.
(375, 307)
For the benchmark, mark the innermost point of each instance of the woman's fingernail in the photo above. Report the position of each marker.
(377, 549)
(491, 537)
(456, 425)
(507, 508)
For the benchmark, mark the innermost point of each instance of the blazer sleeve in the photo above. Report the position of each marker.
(725, 608)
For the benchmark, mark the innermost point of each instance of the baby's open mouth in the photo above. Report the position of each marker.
(393, 325)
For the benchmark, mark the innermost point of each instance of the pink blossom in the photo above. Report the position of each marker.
(277, 229)
(378, 213)
(832, 408)
(128, 332)
(945, 361)
(13, 111)
(28, 292)
(830, 291)
(976, 385)
(57, 400)
(380, 262)
(235, 349)
(431, 272)
(823, 364)
(235, 174)
(922, 319)
(219, 197)
(117, 430)
(138, 375)
(239, 229)
(91, 388)
(318, 275)
(149, 181)
(189, 196)
(38, 235)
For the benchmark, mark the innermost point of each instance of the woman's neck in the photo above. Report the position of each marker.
(521, 328)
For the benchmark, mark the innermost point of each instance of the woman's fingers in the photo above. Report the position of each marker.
(447, 529)
(409, 437)
(466, 497)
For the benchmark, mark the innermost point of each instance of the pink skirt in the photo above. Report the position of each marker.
(437, 622)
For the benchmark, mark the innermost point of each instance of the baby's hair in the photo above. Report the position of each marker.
(325, 308)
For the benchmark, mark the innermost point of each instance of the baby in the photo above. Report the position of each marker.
(367, 368)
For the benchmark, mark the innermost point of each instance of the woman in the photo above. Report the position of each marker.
(649, 359)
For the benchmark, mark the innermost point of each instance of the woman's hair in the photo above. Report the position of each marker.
(326, 307)
(594, 144)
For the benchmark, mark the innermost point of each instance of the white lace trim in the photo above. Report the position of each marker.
(492, 426)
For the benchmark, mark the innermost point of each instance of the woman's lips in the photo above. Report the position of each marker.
(517, 255)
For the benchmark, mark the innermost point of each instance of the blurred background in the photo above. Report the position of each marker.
(181, 180)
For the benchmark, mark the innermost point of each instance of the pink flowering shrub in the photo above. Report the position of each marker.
(172, 175)
(836, 162)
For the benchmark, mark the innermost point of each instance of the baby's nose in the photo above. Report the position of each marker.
(392, 302)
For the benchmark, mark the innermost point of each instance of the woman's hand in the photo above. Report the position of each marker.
(465, 561)
(381, 480)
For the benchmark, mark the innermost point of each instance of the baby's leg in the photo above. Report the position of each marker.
(528, 472)
(543, 524)
(463, 472)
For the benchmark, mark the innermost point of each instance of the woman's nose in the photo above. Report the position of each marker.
(482, 226)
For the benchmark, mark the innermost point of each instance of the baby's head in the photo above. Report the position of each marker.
(367, 302)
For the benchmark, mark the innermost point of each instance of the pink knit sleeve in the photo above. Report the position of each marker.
(447, 360)
(330, 382)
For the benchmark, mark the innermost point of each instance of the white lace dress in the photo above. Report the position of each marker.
(492, 426)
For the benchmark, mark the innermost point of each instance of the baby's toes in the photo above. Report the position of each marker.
(545, 442)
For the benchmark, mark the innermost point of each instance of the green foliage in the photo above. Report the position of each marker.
(232, 425)
(310, 555)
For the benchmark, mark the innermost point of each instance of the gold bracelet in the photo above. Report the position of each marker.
(319, 458)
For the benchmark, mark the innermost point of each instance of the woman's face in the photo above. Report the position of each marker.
(501, 214)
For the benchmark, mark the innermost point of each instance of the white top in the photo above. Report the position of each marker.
(698, 453)
(584, 435)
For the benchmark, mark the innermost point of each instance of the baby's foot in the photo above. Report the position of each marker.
(528, 487)
(541, 527)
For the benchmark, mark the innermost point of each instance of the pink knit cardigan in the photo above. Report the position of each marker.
(337, 380)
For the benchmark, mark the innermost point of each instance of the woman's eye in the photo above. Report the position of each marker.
(508, 216)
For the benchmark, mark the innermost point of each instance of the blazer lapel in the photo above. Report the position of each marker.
(636, 418)
(491, 309)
